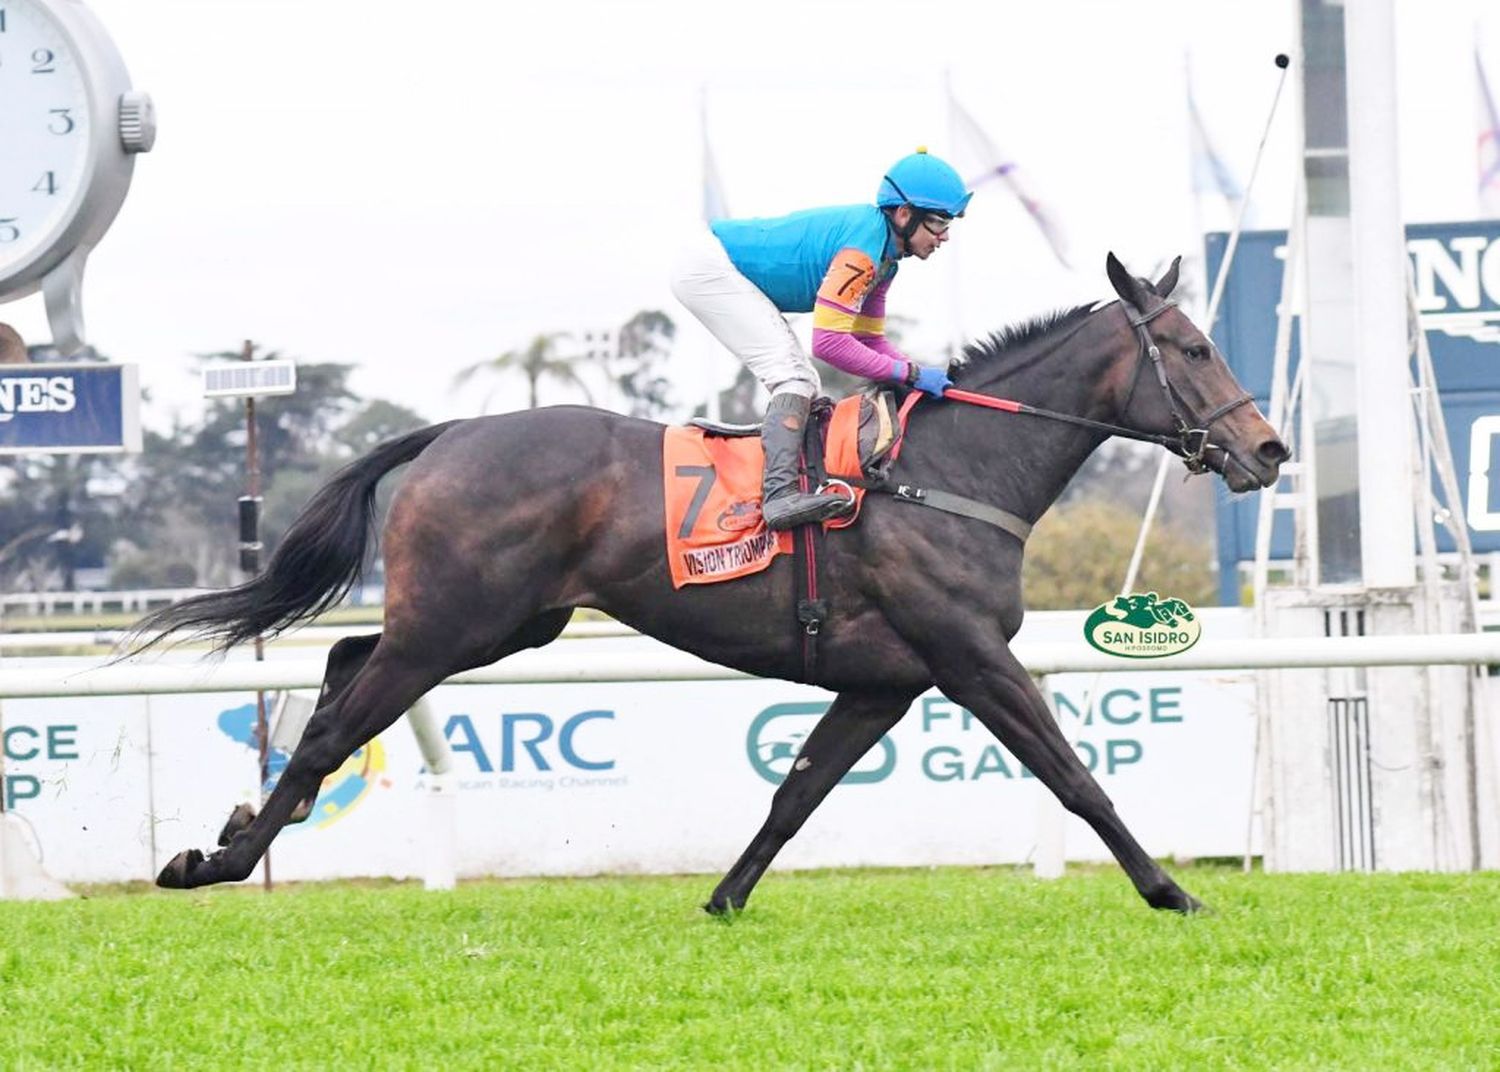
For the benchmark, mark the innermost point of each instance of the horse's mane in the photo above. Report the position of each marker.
(1010, 340)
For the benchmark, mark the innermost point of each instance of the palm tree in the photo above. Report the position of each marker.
(540, 357)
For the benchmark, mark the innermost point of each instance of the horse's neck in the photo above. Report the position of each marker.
(1018, 461)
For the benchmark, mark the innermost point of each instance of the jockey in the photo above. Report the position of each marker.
(741, 275)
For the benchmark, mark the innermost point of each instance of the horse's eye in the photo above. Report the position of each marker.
(1197, 353)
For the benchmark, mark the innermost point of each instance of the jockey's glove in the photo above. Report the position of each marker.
(932, 380)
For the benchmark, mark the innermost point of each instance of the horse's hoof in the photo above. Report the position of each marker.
(722, 907)
(177, 875)
(1184, 904)
(1173, 898)
(241, 817)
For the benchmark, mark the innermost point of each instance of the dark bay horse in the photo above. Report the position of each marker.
(504, 525)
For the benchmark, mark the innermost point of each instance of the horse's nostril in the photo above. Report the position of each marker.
(1272, 452)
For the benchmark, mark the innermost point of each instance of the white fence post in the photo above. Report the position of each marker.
(440, 864)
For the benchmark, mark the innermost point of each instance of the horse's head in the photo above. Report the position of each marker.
(1170, 378)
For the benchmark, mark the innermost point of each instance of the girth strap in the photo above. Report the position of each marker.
(961, 505)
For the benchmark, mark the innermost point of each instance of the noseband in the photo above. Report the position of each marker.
(1191, 443)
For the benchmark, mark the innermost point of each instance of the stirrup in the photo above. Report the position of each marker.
(799, 508)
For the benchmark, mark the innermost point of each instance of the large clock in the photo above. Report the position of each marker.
(70, 128)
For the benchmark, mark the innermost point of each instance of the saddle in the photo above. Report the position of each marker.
(712, 474)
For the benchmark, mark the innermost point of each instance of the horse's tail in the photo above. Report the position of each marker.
(317, 561)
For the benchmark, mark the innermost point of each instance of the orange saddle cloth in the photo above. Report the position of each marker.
(714, 527)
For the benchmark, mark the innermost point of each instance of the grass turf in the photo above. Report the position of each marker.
(872, 969)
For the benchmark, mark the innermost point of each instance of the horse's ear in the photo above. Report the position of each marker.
(1126, 285)
(1168, 282)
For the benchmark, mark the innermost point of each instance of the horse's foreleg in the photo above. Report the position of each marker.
(1003, 697)
(345, 659)
(849, 729)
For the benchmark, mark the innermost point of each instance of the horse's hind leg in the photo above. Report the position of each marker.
(847, 731)
(389, 682)
(345, 659)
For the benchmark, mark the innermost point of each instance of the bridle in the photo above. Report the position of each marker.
(1192, 443)
(1186, 441)
(1189, 443)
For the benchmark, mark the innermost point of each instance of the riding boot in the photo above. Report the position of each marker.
(783, 504)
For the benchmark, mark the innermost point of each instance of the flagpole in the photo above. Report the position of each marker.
(1234, 237)
(709, 179)
(955, 277)
(1487, 146)
(998, 165)
(1200, 252)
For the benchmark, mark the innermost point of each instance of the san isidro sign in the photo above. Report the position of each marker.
(1456, 272)
(69, 409)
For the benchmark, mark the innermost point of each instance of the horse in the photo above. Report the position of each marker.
(503, 525)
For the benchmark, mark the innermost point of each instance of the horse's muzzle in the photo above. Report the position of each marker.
(1260, 470)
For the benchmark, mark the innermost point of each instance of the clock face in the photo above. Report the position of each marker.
(45, 128)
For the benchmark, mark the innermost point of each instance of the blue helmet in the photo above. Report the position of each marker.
(925, 182)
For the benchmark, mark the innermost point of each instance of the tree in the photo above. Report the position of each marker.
(1122, 472)
(372, 425)
(642, 348)
(188, 481)
(1078, 555)
(167, 517)
(540, 358)
(58, 514)
(739, 403)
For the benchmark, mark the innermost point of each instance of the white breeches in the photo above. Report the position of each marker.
(741, 317)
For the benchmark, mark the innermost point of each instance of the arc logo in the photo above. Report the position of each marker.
(776, 736)
(1143, 626)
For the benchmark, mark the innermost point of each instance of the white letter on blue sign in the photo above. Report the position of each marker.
(1481, 434)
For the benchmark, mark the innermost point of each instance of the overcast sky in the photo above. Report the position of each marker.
(414, 187)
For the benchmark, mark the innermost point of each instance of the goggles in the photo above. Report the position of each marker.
(935, 224)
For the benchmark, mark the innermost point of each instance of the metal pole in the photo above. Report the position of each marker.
(1382, 382)
(250, 564)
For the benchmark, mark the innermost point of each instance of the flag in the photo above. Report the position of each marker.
(1211, 173)
(1489, 145)
(991, 165)
(715, 207)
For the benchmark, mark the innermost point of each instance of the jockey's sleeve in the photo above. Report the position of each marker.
(849, 320)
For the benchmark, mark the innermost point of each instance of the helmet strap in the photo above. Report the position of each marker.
(913, 221)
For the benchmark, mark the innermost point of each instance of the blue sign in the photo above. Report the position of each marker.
(1456, 270)
(69, 409)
